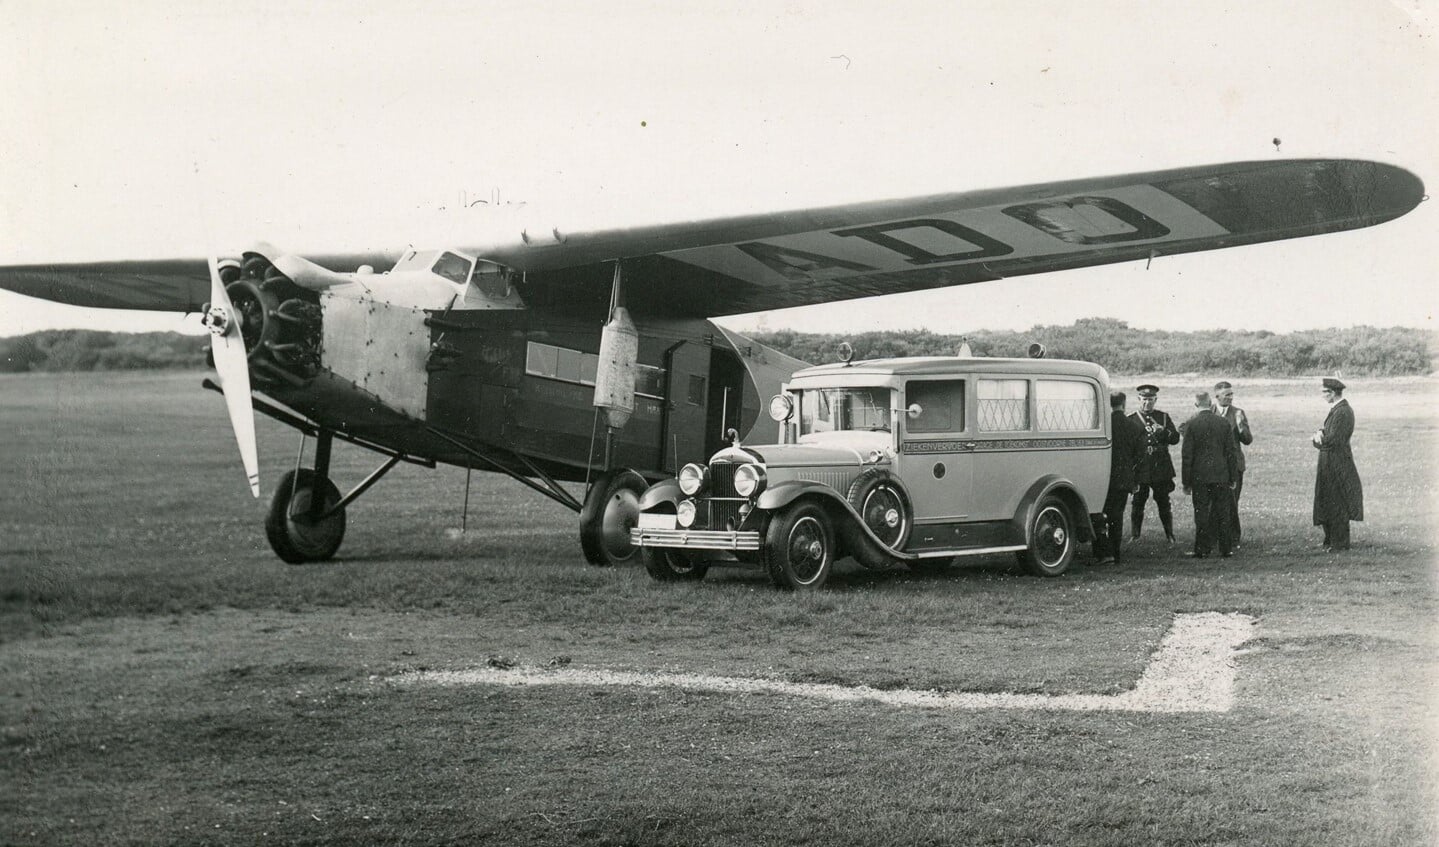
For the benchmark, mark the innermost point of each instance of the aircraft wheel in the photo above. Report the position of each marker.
(293, 534)
(798, 549)
(1051, 539)
(669, 565)
(611, 510)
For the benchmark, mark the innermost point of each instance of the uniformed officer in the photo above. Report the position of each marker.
(1155, 472)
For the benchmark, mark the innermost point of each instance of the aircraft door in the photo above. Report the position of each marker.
(725, 398)
(685, 436)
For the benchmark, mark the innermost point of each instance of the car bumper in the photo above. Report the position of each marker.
(695, 539)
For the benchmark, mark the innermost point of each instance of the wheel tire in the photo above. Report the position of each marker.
(1051, 539)
(293, 536)
(884, 507)
(611, 510)
(798, 550)
(669, 565)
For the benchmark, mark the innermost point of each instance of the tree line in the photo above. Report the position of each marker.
(92, 350)
(1120, 348)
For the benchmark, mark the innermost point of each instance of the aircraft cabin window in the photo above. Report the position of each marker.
(697, 390)
(574, 366)
(454, 268)
(650, 381)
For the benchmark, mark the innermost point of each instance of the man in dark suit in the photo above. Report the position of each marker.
(1338, 494)
(1155, 471)
(1126, 450)
(1208, 463)
(1238, 421)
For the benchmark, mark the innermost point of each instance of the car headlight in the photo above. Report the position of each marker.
(692, 478)
(781, 406)
(748, 480)
(685, 513)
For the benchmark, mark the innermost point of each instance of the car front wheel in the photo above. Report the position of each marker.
(798, 550)
(668, 565)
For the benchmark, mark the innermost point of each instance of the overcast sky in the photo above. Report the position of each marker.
(148, 129)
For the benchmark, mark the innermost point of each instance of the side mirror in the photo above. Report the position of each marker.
(914, 410)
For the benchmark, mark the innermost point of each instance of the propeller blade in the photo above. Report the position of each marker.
(232, 364)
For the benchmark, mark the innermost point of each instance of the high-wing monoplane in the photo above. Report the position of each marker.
(557, 355)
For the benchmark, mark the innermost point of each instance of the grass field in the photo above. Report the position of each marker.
(166, 679)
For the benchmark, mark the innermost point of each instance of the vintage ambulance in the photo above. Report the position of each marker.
(914, 461)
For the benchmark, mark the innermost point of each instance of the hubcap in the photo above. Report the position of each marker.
(806, 549)
(621, 515)
(1051, 537)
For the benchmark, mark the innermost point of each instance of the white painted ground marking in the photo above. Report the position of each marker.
(1192, 671)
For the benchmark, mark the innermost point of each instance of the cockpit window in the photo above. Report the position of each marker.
(838, 409)
(454, 268)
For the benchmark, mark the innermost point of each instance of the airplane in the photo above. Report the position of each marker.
(557, 355)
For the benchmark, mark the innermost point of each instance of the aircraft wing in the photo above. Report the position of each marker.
(774, 260)
(798, 258)
(167, 285)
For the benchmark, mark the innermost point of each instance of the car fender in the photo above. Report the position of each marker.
(784, 493)
(855, 538)
(1066, 491)
(664, 491)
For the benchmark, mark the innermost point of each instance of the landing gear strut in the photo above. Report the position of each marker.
(304, 524)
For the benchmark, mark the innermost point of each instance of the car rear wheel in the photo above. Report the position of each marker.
(1051, 539)
(798, 550)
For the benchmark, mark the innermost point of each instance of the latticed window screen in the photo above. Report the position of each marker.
(1065, 405)
(1003, 405)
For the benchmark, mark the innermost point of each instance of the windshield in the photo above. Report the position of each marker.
(843, 409)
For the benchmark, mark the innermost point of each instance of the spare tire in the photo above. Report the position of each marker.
(884, 507)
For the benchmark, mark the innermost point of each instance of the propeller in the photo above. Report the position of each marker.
(233, 366)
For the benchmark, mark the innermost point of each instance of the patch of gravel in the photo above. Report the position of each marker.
(1192, 671)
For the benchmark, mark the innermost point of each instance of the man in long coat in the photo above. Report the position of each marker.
(1155, 472)
(1224, 407)
(1209, 464)
(1126, 449)
(1338, 494)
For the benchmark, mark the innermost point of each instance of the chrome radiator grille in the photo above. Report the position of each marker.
(724, 503)
(722, 480)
